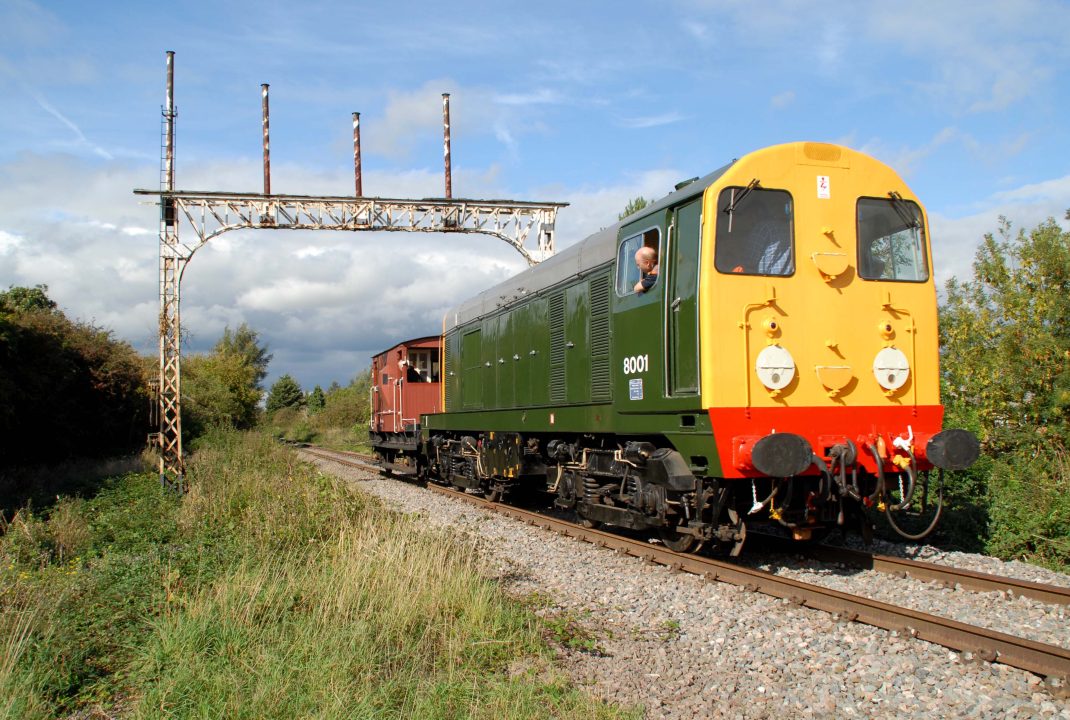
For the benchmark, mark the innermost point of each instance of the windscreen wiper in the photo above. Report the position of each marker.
(736, 200)
(904, 210)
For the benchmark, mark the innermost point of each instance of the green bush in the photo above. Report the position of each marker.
(1030, 508)
(1005, 361)
(66, 388)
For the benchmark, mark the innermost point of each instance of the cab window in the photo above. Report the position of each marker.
(755, 232)
(891, 240)
(627, 271)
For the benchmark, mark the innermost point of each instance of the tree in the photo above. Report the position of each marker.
(1006, 374)
(66, 388)
(23, 299)
(245, 343)
(316, 400)
(218, 389)
(284, 393)
(633, 207)
(348, 407)
(1006, 342)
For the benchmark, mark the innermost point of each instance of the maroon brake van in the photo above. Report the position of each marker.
(405, 384)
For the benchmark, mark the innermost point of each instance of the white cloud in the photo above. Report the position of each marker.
(9, 242)
(309, 251)
(955, 240)
(650, 120)
(26, 23)
(543, 96)
(966, 56)
(414, 118)
(408, 115)
(985, 56)
(593, 208)
(783, 99)
(906, 159)
(699, 31)
(1045, 193)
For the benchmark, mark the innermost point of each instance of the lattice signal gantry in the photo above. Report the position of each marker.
(527, 226)
(213, 213)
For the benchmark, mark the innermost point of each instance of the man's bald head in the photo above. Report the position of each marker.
(646, 258)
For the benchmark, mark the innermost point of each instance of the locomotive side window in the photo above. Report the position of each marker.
(627, 272)
(755, 232)
(891, 240)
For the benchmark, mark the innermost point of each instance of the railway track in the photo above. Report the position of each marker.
(343, 457)
(1044, 659)
(944, 574)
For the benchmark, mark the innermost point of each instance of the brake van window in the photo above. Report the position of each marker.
(891, 240)
(628, 273)
(755, 232)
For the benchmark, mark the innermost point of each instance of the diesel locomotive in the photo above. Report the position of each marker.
(775, 364)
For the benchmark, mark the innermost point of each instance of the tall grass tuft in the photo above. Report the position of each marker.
(18, 697)
(269, 590)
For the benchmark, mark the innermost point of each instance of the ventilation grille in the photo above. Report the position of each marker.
(557, 347)
(600, 382)
(821, 152)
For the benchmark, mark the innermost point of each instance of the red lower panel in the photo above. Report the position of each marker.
(821, 426)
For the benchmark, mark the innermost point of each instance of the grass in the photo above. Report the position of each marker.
(267, 591)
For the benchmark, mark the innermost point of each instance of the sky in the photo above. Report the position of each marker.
(589, 103)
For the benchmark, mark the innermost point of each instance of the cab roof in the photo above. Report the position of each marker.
(575, 260)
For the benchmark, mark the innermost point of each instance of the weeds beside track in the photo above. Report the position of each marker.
(269, 590)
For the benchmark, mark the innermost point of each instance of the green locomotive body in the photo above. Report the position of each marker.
(786, 350)
(566, 358)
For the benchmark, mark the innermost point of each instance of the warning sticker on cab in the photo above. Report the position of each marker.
(635, 389)
(823, 187)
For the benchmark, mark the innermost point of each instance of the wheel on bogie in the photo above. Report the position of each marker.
(678, 541)
(738, 529)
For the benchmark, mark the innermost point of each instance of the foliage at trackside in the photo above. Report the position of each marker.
(633, 206)
(66, 388)
(285, 392)
(222, 388)
(1006, 375)
(245, 343)
(315, 400)
(268, 591)
(341, 424)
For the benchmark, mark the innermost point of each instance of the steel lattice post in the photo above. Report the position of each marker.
(172, 263)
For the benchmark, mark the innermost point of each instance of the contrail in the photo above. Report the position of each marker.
(47, 107)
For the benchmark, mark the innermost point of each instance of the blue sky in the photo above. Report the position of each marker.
(587, 103)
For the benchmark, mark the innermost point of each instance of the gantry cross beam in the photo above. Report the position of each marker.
(527, 226)
(521, 224)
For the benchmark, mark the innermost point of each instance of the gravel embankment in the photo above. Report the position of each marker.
(684, 648)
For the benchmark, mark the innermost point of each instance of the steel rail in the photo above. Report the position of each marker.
(363, 462)
(989, 645)
(1044, 659)
(950, 576)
